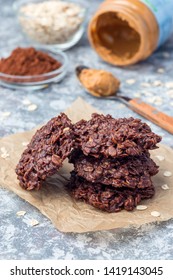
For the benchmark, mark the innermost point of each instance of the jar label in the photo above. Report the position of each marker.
(163, 11)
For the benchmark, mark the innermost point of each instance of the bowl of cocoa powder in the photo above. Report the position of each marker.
(31, 68)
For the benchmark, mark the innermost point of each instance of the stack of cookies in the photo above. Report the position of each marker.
(112, 164)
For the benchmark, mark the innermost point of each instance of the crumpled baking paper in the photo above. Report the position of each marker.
(68, 215)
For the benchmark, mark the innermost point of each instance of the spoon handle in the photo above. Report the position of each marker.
(152, 114)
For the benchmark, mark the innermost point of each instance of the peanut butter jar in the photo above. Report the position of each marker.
(124, 32)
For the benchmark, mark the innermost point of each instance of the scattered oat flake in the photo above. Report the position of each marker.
(160, 158)
(166, 54)
(158, 98)
(141, 207)
(148, 123)
(145, 84)
(137, 94)
(170, 92)
(121, 106)
(26, 102)
(6, 114)
(32, 107)
(158, 102)
(66, 129)
(165, 187)
(161, 70)
(169, 84)
(155, 99)
(34, 222)
(157, 83)
(4, 153)
(4, 156)
(21, 213)
(167, 173)
(151, 99)
(25, 144)
(3, 150)
(155, 214)
(146, 93)
(130, 81)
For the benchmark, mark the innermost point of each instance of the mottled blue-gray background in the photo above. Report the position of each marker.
(18, 240)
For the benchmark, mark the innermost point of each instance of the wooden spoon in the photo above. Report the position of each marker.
(147, 111)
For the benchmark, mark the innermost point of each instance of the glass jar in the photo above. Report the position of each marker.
(124, 32)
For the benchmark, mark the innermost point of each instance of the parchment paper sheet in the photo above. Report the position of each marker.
(66, 214)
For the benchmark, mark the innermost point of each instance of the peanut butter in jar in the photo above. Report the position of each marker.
(124, 32)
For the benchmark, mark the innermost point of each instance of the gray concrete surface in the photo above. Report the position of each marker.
(18, 240)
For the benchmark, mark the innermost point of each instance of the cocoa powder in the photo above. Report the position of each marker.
(28, 62)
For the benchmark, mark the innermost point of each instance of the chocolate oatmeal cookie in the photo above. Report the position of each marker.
(107, 198)
(45, 153)
(128, 172)
(109, 137)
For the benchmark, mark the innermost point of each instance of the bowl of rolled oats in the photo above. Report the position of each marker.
(56, 24)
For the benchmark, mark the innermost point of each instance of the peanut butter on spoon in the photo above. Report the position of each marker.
(98, 82)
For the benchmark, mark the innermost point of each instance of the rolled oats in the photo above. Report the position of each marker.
(51, 22)
(130, 81)
(169, 84)
(5, 114)
(21, 213)
(165, 187)
(155, 214)
(160, 158)
(4, 153)
(167, 173)
(161, 70)
(34, 222)
(26, 102)
(32, 107)
(141, 207)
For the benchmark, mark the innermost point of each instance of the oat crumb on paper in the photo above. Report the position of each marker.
(155, 214)
(165, 187)
(160, 158)
(141, 207)
(25, 144)
(4, 153)
(167, 173)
